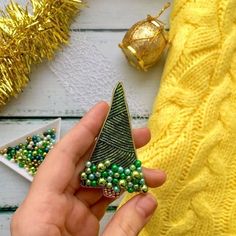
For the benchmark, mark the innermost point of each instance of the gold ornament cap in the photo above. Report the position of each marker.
(145, 42)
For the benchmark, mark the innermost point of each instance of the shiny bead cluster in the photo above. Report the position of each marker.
(30, 154)
(114, 177)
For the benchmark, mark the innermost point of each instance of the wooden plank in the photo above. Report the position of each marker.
(12, 128)
(5, 218)
(81, 75)
(13, 186)
(113, 14)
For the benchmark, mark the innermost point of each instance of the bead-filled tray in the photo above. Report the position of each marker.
(25, 154)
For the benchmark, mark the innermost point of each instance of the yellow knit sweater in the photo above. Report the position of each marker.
(193, 124)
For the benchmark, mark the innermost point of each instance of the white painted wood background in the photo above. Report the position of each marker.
(102, 26)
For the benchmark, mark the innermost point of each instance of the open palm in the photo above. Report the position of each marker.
(58, 206)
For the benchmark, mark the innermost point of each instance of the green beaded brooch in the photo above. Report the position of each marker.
(26, 154)
(114, 166)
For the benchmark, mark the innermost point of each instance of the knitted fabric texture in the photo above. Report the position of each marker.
(193, 124)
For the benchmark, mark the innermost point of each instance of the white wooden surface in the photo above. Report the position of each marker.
(103, 14)
(97, 31)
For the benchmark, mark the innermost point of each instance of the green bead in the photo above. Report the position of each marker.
(25, 152)
(116, 189)
(109, 185)
(135, 181)
(13, 152)
(101, 167)
(144, 188)
(93, 168)
(142, 181)
(109, 179)
(127, 171)
(132, 167)
(136, 175)
(40, 151)
(83, 176)
(120, 170)
(130, 190)
(138, 163)
(107, 163)
(9, 157)
(35, 153)
(115, 181)
(104, 174)
(114, 168)
(91, 177)
(110, 172)
(122, 176)
(101, 182)
(94, 183)
(122, 183)
(45, 144)
(139, 169)
(21, 164)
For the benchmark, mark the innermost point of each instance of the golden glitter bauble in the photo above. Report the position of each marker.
(145, 42)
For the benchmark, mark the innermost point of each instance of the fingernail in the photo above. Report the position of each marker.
(146, 205)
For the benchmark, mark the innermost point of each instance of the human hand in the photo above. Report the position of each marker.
(57, 205)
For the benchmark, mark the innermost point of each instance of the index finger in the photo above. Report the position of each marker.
(57, 170)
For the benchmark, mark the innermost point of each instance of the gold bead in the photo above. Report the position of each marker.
(101, 167)
(29, 138)
(83, 176)
(109, 185)
(144, 188)
(136, 175)
(107, 163)
(122, 183)
(102, 182)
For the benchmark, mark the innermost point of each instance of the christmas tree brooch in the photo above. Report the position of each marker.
(113, 165)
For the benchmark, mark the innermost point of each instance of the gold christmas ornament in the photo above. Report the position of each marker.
(27, 39)
(145, 42)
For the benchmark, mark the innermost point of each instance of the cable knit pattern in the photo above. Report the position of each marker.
(193, 123)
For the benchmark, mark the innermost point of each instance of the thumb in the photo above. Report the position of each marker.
(132, 217)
